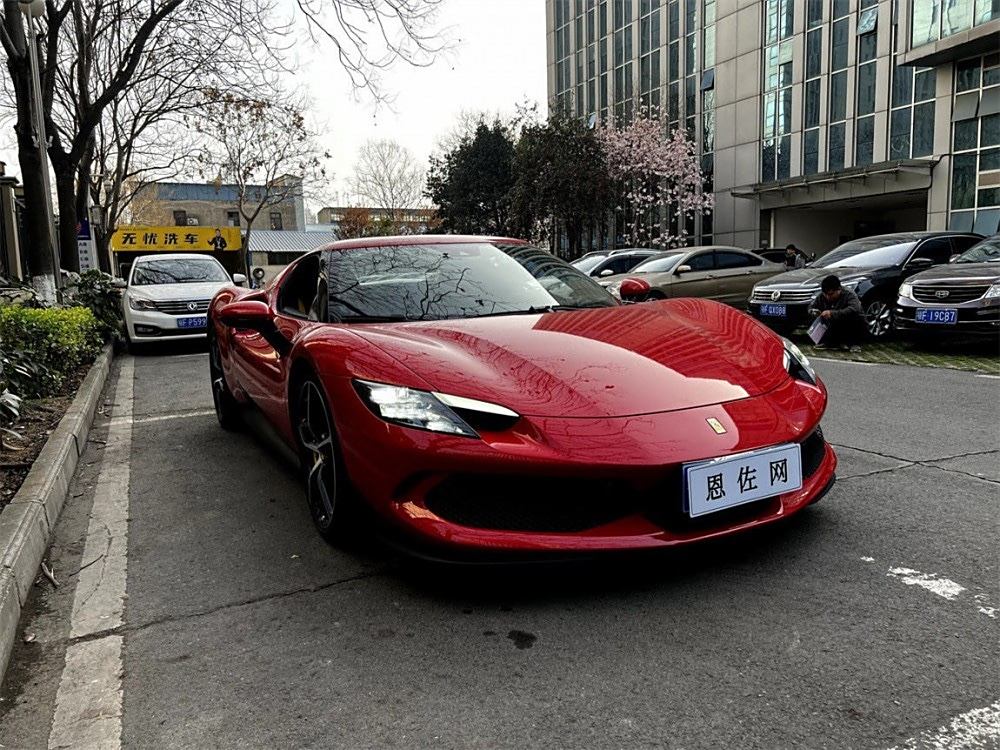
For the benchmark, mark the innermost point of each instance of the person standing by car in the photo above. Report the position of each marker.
(841, 311)
(794, 258)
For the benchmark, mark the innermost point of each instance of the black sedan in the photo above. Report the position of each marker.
(873, 267)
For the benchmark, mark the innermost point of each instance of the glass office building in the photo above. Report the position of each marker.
(818, 120)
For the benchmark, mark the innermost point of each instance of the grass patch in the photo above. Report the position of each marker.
(973, 356)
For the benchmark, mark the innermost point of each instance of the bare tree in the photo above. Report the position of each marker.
(264, 148)
(387, 177)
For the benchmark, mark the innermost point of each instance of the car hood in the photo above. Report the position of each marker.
(952, 272)
(813, 276)
(608, 362)
(169, 292)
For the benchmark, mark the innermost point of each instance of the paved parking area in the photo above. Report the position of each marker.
(868, 622)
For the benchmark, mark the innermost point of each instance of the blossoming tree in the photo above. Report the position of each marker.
(657, 176)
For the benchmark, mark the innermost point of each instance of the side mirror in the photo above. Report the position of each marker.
(239, 279)
(919, 264)
(685, 268)
(251, 314)
(632, 289)
(606, 272)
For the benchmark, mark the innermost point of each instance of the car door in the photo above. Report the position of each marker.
(736, 273)
(298, 301)
(617, 264)
(937, 250)
(699, 281)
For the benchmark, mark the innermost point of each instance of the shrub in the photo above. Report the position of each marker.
(95, 291)
(49, 344)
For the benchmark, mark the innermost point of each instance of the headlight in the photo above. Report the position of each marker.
(993, 291)
(854, 283)
(797, 364)
(436, 412)
(141, 303)
(906, 290)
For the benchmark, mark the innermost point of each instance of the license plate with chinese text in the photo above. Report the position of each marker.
(720, 483)
(199, 322)
(773, 311)
(947, 316)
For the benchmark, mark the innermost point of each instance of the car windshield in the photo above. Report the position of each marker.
(987, 251)
(464, 280)
(178, 271)
(868, 253)
(659, 264)
(588, 264)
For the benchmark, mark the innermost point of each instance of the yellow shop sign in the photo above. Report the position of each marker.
(175, 239)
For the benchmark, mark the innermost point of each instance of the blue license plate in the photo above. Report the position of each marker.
(937, 315)
(200, 322)
(774, 311)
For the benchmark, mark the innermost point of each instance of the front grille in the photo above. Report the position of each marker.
(183, 307)
(956, 294)
(569, 505)
(790, 296)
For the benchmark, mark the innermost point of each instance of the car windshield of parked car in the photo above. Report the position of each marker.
(588, 264)
(659, 264)
(987, 251)
(178, 271)
(436, 282)
(869, 253)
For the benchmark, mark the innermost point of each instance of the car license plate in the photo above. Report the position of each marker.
(720, 483)
(199, 322)
(774, 311)
(937, 315)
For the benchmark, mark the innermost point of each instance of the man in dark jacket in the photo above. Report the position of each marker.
(841, 311)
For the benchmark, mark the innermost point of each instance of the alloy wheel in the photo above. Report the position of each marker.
(215, 372)
(879, 317)
(319, 458)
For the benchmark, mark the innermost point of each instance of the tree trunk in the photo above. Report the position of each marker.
(66, 194)
(38, 236)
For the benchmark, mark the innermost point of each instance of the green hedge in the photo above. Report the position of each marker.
(50, 343)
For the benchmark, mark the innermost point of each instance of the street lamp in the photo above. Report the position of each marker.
(33, 9)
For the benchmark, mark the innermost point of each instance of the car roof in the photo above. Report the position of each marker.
(914, 236)
(173, 256)
(419, 239)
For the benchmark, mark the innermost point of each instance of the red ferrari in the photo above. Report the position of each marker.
(479, 394)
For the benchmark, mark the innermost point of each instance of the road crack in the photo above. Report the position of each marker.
(929, 463)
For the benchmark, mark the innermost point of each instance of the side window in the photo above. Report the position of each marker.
(729, 259)
(961, 244)
(616, 264)
(298, 290)
(937, 249)
(701, 262)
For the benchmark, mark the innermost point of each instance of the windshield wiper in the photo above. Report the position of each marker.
(533, 310)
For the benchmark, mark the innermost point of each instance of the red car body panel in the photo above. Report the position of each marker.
(616, 395)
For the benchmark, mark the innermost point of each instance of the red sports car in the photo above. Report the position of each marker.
(479, 394)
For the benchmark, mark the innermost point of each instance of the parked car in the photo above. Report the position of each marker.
(961, 297)
(589, 260)
(873, 267)
(726, 274)
(167, 296)
(777, 255)
(620, 261)
(478, 396)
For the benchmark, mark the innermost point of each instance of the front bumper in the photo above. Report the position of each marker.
(151, 325)
(576, 485)
(979, 317)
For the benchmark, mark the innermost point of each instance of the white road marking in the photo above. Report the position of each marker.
(930, 581)
(868, 559)
(979, 728)
(161, 417)
(984, 607)
(989, 377)
(89, 700)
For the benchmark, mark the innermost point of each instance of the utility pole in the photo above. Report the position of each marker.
(33, 9)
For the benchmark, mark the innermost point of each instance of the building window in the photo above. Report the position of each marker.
(649, 51)
(180, 218)
(866, 89)
(911, 122)
(864, 138)
(232, 218)
(777, 100)
(931, 20)
(975, 164)
(835, 151)
(276, 221)
(810, 151)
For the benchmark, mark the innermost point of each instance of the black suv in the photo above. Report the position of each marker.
(873, 267)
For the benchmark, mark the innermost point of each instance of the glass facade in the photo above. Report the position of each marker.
(931, 20)
(776, 128)
(975, 164)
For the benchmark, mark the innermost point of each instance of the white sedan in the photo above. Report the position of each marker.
(167, 296)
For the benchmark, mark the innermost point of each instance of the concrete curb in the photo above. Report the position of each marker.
(26, 524)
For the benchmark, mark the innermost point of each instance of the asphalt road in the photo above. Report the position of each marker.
(867, 622)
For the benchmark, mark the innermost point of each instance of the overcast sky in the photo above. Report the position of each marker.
(498, 60)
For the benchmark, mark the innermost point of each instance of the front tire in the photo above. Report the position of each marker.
(227, 409)
(878, 316)
(328, 491)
